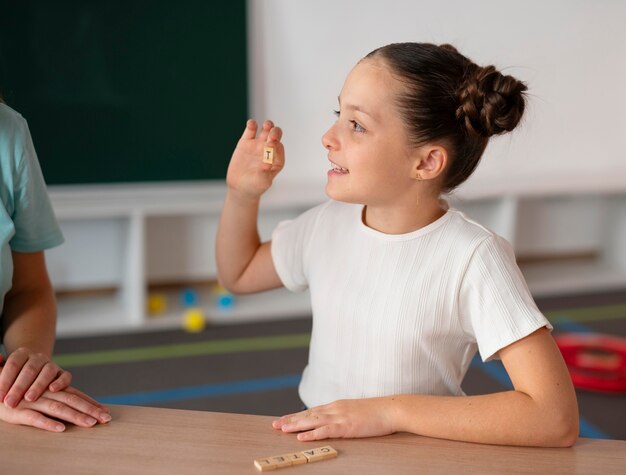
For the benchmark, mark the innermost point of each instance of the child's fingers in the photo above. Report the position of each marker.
(48, 373)
(80, 404)
(267, 126)
(62, 410)
(75, 391)
(324, 432)
(274, 135)
(273, 141)
(288, 418)
(250, 130)
(29, 417)
(10, 370)
(22, 383)
(63, 380)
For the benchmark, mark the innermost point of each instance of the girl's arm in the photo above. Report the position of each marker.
(28, 329)
(244, 264)
(540, 411)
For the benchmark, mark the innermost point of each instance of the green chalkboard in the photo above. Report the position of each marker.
(127, 91)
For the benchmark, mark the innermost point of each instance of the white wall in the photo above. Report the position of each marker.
(570, 52)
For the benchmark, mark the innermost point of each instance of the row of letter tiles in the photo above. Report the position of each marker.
(296, 458)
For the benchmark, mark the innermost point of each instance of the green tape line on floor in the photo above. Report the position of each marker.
(588, 314)
(128, 355)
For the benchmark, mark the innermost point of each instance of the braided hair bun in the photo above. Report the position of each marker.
(447, 98)
(490, 103)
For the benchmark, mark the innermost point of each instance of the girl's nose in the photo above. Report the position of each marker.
(329, 141)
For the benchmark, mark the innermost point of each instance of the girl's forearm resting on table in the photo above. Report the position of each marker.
(541, 411)
(506, 418)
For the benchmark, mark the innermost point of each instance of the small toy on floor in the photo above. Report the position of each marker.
(224, 299)
(189, 297)
(157, 304)
(194, 320)
(595, 362)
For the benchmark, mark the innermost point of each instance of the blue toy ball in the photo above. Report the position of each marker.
(189, 297)
(225, 301)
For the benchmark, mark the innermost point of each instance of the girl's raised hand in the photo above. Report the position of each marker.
(348, 418)
(248, 175)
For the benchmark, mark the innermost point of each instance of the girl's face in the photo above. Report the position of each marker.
(371, 160)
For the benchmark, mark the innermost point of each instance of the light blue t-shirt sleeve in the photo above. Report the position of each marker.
(36, 227)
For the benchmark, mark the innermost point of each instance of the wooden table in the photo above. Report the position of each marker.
(142, 440)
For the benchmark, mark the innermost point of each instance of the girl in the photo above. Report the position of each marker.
(404, 290)
(32, 386)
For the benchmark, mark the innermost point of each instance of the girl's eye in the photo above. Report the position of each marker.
(336, 113)
(356, 127)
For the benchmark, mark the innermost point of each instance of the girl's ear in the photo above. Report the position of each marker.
(430, 162)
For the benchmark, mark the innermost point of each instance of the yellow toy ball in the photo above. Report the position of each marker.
(194, 321)
(157, 304)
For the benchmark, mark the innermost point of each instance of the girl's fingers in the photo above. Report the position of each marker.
(63, 380)
(267, 126)
(287, 418)
(48, 373)
(250, 130)
(274, 135)
(320, 433)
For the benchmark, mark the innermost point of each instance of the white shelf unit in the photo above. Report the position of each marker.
(569, 234)
(120, 238)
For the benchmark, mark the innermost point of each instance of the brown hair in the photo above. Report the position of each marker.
(450, 98)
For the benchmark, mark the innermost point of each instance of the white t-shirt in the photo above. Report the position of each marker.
(400, 313)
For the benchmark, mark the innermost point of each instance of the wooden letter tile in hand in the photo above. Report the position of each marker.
(268, 155)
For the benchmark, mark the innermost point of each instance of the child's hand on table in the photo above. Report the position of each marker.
(26, 375)
(348, 418)
(47, 412)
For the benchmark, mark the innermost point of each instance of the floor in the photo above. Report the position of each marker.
(255, 368)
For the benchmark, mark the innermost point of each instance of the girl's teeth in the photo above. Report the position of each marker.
(338, 168)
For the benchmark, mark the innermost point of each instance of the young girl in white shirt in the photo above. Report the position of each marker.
(404, 290)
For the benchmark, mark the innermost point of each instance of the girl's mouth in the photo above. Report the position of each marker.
(337, 169)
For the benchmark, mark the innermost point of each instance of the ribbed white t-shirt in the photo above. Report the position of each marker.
(400, 313)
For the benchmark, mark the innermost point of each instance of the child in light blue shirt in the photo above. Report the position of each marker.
(31, 384)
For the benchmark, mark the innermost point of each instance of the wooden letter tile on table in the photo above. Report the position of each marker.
(265, 464)
(296, 458)
(281, 461)
(320, 453)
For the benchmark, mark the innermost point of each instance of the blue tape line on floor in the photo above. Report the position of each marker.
(207, 390)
